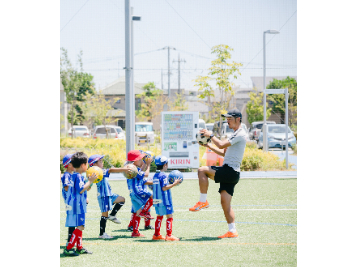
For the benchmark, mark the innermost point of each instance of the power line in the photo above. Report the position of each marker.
(188, 25)
(75, 14)
(186, 69)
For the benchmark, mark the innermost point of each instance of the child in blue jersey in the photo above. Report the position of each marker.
(106, 198)
(141, 198)
(76, 205)
(162, 199)
(66, 182)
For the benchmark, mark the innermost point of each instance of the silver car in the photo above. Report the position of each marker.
(79, 131)
(276, 136)
(108, 131)
(256, 128)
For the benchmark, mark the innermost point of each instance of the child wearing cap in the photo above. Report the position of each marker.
(66, 182)
(76, 205)
(162, 199)
(106, 198)
(141, 198)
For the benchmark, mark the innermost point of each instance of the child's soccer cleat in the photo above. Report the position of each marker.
(146, 215)
(70, 252)
(149, 227)
(199, 206)
(171, 238)
(229, 235)
(155, 237)
(114, 219)
(105, 236)
(138, 234)
(84, 251)
(130, 228)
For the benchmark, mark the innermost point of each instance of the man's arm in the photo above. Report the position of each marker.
(220, 152)
(220, 144)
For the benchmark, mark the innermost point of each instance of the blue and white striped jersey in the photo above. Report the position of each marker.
(137, 185)
(161, 198)
(76, 203)
(103, 187)
(66, 181)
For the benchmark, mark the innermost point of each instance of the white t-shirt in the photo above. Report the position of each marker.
(234, 153)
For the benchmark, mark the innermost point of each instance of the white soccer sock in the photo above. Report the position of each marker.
(232, 228)
(203, 197)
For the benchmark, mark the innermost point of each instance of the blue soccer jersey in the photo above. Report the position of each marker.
(66, 181)
(161, 198)
(76, 203)
(137, 185)
(103, 187)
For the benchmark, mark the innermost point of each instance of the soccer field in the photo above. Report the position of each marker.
(265, 215)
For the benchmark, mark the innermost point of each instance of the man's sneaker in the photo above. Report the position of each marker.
(70, 252)
(138, 234)
(84, 251)
(229, 235)
(199, 206)
(149, 227)
(171, 238)
(114, 219)
(146, 215)
(105, 236)
(159, 237)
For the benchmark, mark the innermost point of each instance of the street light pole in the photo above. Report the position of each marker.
(265, 145)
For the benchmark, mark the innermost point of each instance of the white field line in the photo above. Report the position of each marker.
(205, 210)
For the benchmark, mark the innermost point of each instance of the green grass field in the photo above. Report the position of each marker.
(266, 220)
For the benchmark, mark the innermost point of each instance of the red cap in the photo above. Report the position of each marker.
(134, 155)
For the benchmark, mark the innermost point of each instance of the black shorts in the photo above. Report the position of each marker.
(227, 177)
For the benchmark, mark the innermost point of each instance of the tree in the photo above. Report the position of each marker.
(76, 84)
(278, 100)
(96, 109)
(219, 80)
(179, 103)
(254, 107)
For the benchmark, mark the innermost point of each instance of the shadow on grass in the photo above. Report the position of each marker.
(122, 230)
(200, 238)
(114, 238)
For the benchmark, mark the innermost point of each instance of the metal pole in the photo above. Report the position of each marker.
(265, 148)
(129, 124)
(161, 79)
(286, 121)
(178, 73)
(132, 84)
(169, 77)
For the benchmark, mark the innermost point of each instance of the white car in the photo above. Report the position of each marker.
(226, 132)
(209, 126)
(144, 133)
(108, 131)
(79, 131)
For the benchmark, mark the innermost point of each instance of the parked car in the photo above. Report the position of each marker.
(122, 134)
(144, 133)
(226, 132)
(202, 124)
(79, 131)
(256, 129)
(108, 131)
(209, 126)
(276, 136)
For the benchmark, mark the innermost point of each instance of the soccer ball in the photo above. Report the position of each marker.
(175, 175)
(134, 171)
(97, 171)
(202, 139)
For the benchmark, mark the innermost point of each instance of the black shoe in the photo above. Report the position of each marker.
(130, 228)
(84, 251)
(149, 227)
(70, 252)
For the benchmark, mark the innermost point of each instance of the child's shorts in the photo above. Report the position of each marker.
(164, 210)
(139, 200)
(74, 220)
(106, 203)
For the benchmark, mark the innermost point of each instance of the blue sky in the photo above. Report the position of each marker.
(98, 28)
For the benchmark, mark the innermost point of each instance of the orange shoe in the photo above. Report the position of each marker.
(159, 237)
(229, 235)
(199, 206)
(172, 238)
(137, 235)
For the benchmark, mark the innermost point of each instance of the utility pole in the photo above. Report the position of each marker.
(179, 61)
(169, 73)
(162, 79)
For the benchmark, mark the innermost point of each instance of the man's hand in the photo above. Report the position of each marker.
(206, 132)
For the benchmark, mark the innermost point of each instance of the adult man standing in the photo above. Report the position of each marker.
(227, 175)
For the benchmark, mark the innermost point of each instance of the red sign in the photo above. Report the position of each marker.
(179, 161)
